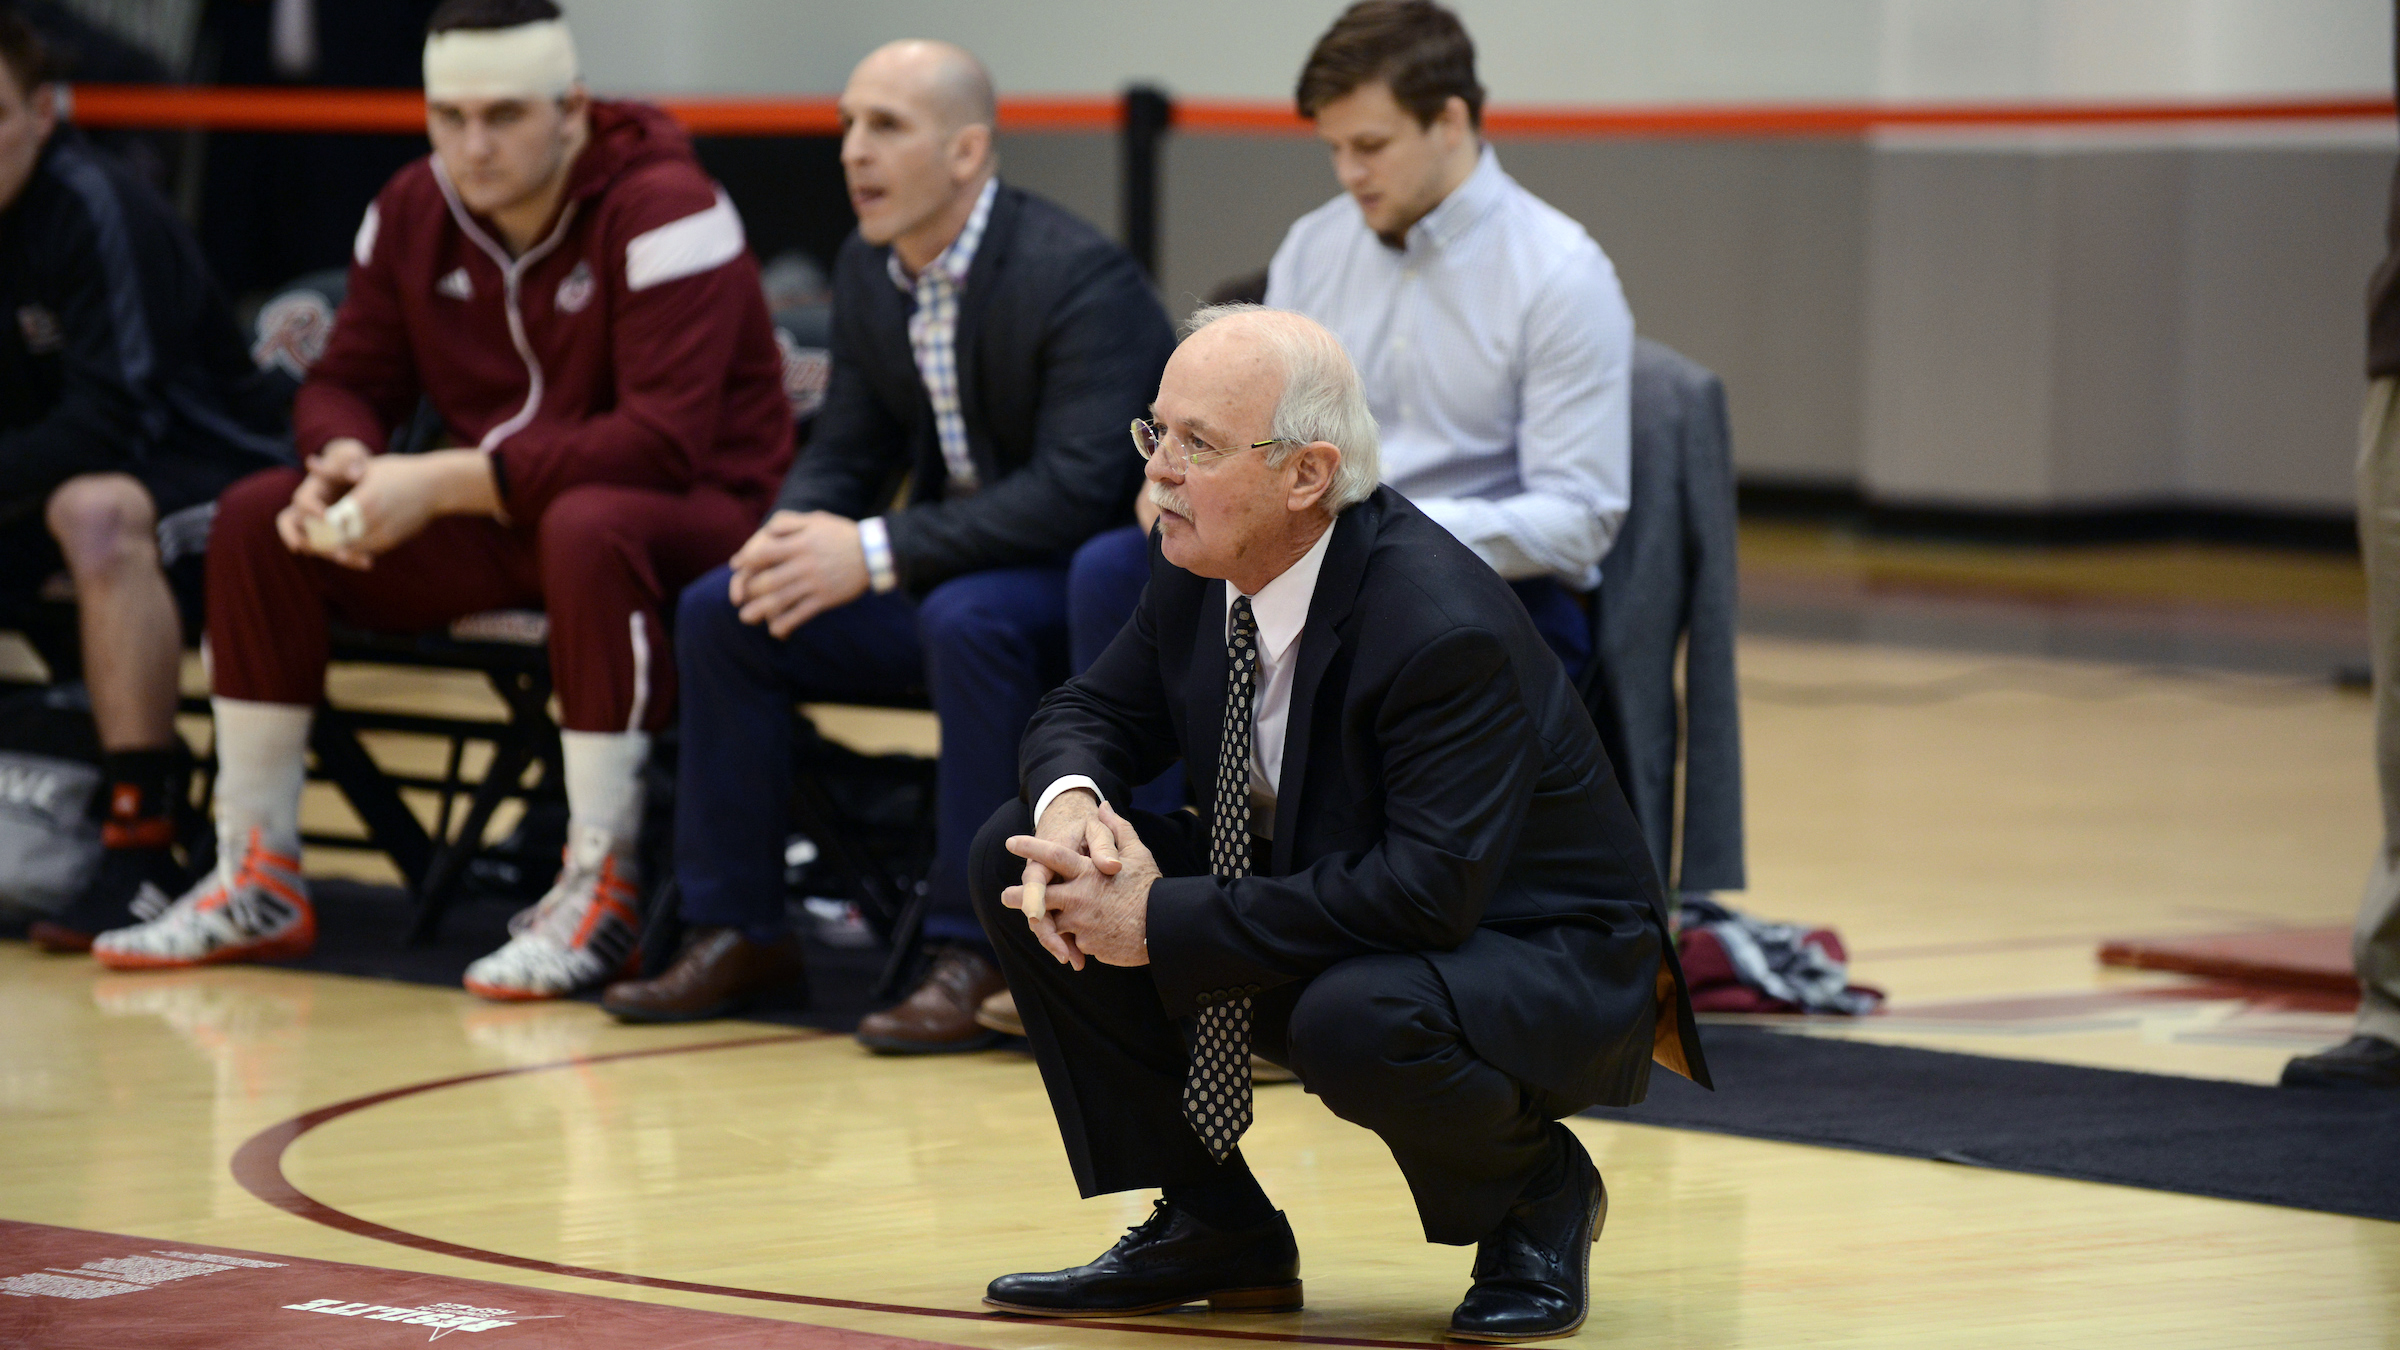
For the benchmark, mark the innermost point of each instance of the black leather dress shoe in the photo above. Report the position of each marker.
(1166, 1261)
(1533, 1275)
(2360, 1063)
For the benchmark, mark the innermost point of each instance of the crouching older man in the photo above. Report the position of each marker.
(1416, 883)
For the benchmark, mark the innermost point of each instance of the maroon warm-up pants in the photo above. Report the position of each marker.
(601, 562)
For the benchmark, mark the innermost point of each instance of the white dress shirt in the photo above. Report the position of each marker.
(1497, 354)
(1281, 610)
(933, 339)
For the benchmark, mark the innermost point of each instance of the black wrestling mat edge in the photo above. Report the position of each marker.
(2307, 1150)
(2326, 1151)
(362, 929)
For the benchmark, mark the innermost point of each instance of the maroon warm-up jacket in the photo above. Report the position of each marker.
(631, 346)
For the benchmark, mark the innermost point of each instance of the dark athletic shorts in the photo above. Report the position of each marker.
(32, 571)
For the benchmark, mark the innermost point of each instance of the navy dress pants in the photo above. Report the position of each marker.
(985, 646)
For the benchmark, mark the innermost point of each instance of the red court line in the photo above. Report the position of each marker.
(258, 1166)
(403, 110)
(2024, 944)
(207, 1297)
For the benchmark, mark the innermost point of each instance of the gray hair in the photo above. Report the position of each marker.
(1322, 398)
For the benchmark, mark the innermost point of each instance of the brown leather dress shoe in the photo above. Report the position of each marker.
(938, 1017)
(999, 1013)
(718, 973)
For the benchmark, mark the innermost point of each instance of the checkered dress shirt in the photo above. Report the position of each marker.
(933, 335)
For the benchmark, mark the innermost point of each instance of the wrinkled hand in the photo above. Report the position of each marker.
(1082, 843)
(798, 565)
(1093, 903)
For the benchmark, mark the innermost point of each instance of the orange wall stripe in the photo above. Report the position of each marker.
(397, 110)
(1229, 117)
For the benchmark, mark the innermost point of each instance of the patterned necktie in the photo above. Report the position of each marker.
(1216, 1093)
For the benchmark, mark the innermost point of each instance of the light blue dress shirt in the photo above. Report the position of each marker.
(1497, 353)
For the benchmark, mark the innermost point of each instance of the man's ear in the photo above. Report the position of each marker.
(969, 149)
(1313, 467)
(45, 102)
(1454, 122)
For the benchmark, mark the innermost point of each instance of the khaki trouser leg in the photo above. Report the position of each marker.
(2375, 944)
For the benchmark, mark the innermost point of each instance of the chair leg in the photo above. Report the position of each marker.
(662, 927)
(900, 916)
(531, 736)
(449, 863)
(908, 932)
(391, 826)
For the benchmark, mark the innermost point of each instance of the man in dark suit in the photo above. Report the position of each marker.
(988, 350)
(1416, 882)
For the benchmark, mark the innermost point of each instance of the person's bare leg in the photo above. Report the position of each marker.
(107, 527)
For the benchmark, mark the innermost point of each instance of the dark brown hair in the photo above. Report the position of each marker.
(1416, 47)
(23, 52)
(456, 14)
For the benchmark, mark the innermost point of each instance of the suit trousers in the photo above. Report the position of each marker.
(985, 647)
(1375, 1037)
(2375, 942)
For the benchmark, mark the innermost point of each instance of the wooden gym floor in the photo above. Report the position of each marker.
(1973, 823)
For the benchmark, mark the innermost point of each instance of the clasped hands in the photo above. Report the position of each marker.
(391, 496)
(1086, 891)
(798, 565)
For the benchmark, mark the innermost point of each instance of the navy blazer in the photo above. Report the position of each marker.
(1060, 345)
(1443, 792)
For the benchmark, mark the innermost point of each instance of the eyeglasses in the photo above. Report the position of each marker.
(1148, 440)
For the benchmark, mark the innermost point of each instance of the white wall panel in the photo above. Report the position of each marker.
(1536, 51)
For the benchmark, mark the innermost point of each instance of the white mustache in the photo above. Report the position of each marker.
(1167, 498)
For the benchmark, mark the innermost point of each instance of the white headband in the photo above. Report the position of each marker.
(531, 60)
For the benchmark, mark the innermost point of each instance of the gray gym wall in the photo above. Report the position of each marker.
(2031, 321)
(2033, 325)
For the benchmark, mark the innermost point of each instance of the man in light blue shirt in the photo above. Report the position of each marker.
(1489, 328)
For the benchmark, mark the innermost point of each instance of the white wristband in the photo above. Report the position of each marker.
(875, 541)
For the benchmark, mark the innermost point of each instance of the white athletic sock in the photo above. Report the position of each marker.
(604, 783)
(259, 773)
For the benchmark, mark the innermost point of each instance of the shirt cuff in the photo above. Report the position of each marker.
(875, 541)
(1066, 784)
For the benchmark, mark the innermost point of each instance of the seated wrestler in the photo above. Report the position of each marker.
(1489, 329)
(988, 349)
(572, 294)
(1415, 881)
(126, 398)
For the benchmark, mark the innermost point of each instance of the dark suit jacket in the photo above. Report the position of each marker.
(1060, 345)
(1443, 793)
